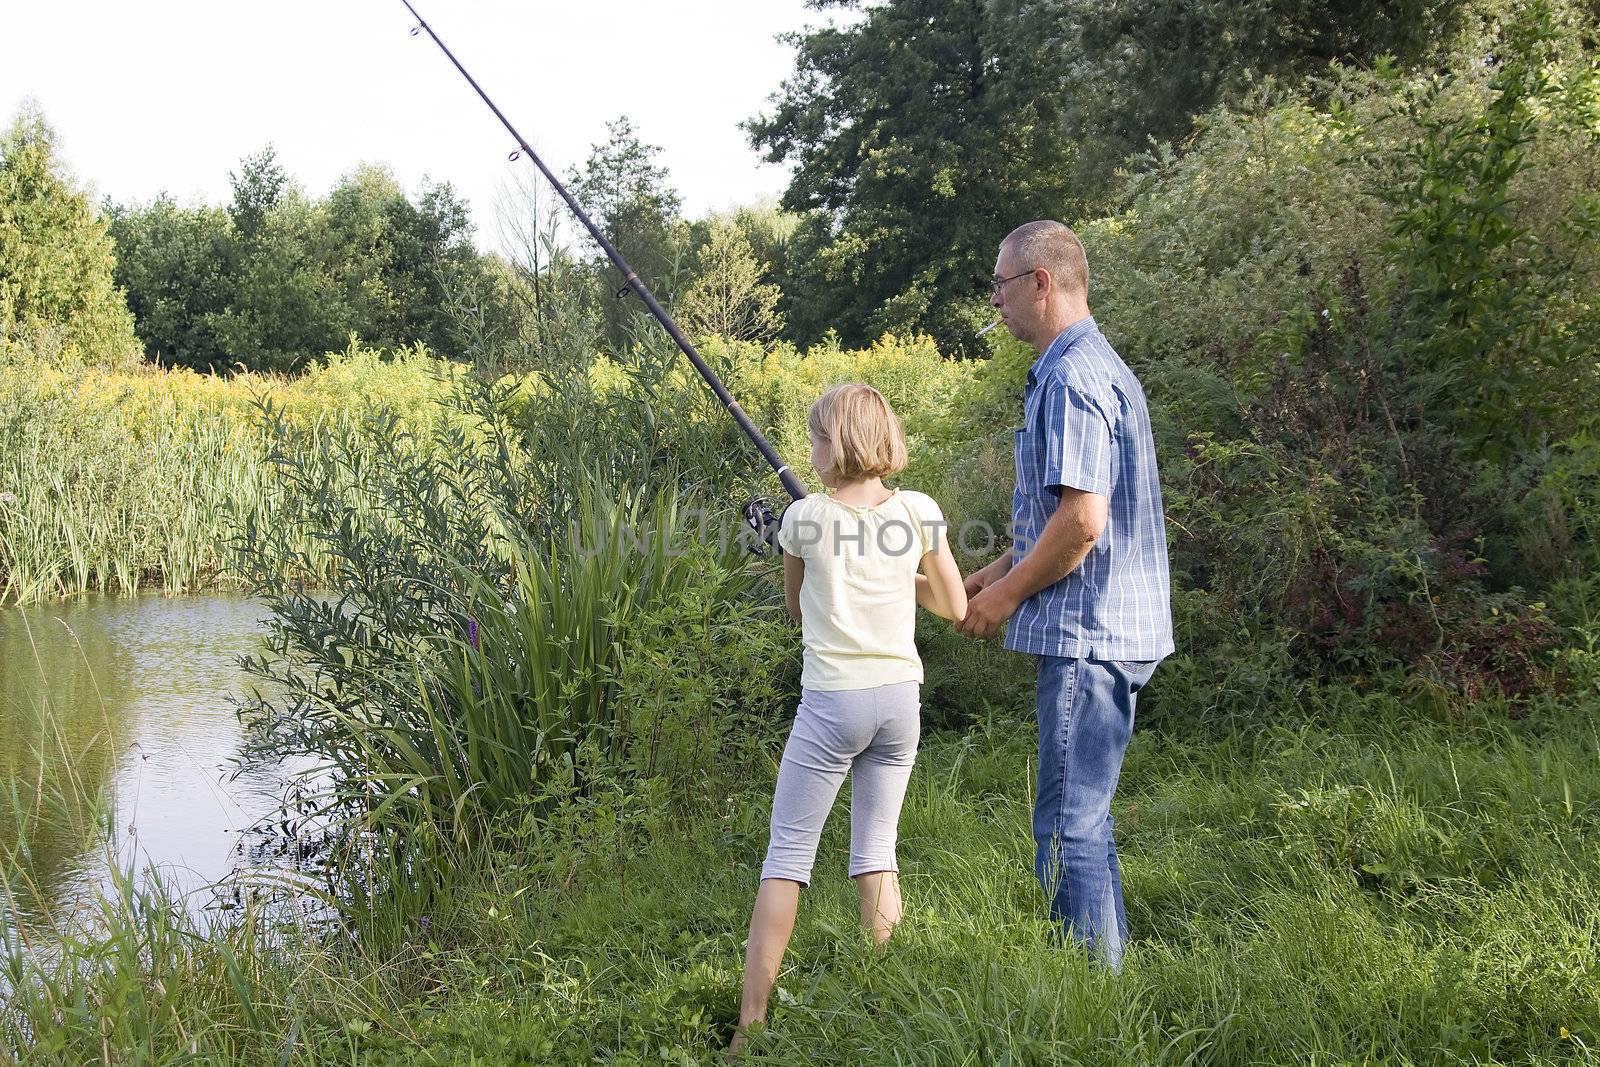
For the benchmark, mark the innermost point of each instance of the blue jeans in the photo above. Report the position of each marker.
(1085, 712)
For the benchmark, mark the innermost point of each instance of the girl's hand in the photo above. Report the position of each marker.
(988, 612)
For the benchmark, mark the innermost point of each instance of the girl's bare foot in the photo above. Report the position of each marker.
(740, 1040)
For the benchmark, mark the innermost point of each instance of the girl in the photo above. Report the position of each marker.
(850, 574)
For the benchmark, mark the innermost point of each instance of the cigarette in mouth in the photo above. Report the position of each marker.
(987, 328)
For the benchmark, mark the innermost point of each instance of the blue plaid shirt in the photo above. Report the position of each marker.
(1087, 426)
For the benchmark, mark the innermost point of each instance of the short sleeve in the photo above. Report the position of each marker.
(788, 528)
(932, 528)
(1077, 439)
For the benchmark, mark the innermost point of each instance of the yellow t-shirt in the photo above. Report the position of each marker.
(858, 603)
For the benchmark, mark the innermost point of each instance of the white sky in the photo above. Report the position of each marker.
(170, 94)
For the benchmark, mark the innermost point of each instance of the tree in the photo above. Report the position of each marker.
(919, 137)
(727, 297)
(56, 255)
(925, 131)
(258, 187)
(541, 311)
(391, 257)
(1137, 71)
(179, 268)
(287, 307)
(625, 190)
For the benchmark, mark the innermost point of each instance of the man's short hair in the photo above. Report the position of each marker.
(1053, 246)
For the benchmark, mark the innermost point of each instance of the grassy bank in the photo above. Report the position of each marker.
(121, 481)
(1371, 888)
(117, 481)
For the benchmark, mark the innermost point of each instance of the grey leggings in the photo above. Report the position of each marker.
(869, 732)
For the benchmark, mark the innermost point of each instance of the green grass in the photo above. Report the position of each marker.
(117, 482)
(125, 481)
(1399, 892)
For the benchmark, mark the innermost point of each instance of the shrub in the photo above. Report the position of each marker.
(709, 681)
(1366, 334)
(1558, 543)
(489, 639)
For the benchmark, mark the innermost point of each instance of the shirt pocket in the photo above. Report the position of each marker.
(1025, 447)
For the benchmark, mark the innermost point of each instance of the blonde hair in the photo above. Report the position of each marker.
(1053, 246)
(862, 431)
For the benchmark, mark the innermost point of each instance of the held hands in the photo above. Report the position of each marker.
(989, 604)
(976, 581)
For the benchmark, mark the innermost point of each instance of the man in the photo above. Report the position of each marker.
(1085, 586)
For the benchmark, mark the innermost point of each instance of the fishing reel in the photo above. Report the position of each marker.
(758, 515)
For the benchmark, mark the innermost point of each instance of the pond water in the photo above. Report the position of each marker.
(119, 744)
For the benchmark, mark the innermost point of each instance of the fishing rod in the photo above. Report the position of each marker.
(757, 513)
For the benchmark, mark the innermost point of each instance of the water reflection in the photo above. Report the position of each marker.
(115, 717)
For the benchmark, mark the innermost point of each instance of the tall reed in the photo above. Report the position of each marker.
(117, 482)
(480, 625)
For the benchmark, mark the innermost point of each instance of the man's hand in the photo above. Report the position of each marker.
(988, 610)
(1067, 538)
(983, 577)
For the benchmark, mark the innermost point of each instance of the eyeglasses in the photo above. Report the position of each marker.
(994, 290)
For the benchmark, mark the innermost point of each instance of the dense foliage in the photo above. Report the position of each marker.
(916, 136)
(1136, 72)
(276, 278)
(56, 289)
(923, 130)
